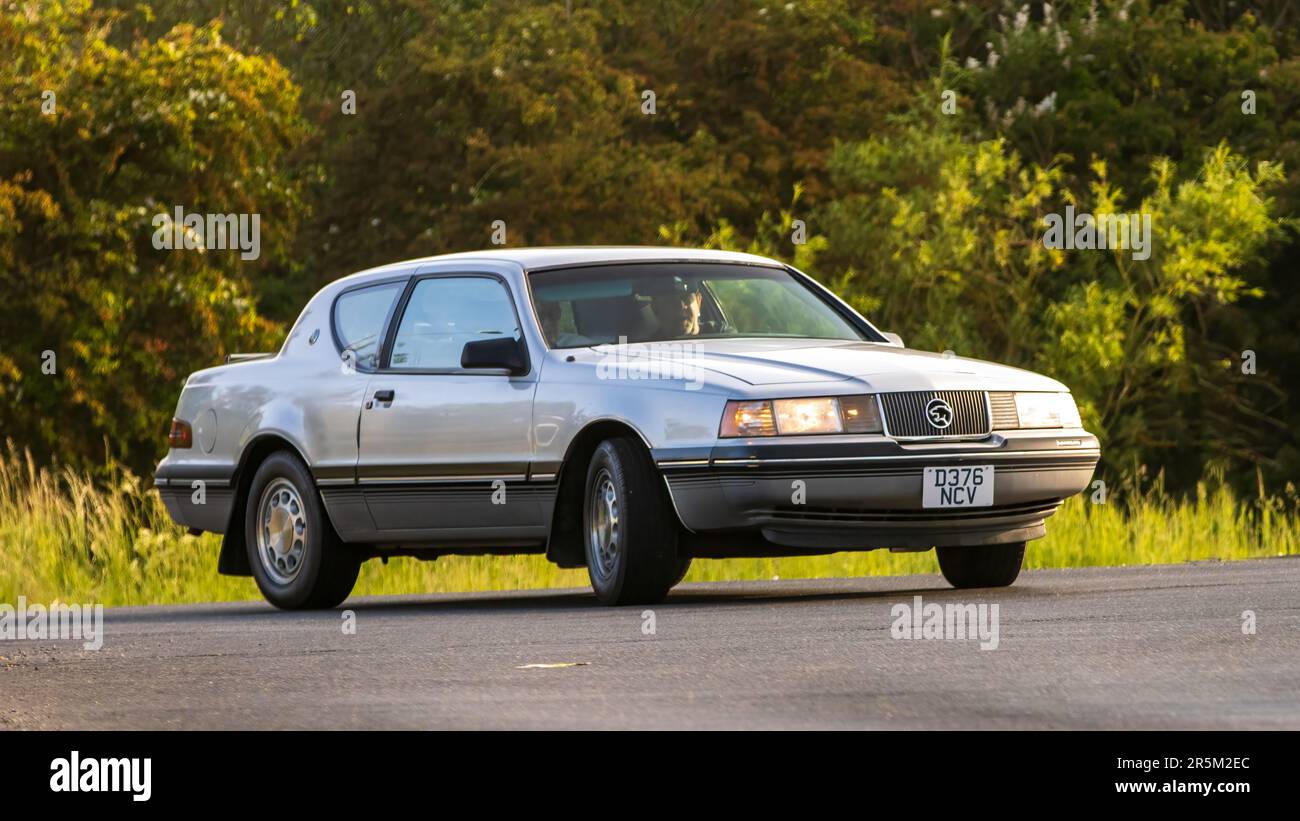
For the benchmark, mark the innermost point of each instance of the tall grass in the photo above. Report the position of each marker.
(64, 536)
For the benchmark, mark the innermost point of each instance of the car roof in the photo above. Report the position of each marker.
(533, 259)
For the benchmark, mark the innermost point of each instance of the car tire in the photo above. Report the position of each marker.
(629, 529)
(298, 561)
(683, 567)
(987, 566)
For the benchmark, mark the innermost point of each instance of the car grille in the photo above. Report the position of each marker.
(905, 413)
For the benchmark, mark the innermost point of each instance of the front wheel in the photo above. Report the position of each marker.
(297, 560)
(987, 566)
(683, 567)
(630, 530)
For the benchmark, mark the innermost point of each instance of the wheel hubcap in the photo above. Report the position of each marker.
(281, 531)
(603, 531)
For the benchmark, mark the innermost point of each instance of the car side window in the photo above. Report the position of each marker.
(443, 314)
(359, 321)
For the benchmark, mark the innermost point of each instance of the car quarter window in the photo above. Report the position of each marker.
(359, 321)
(443, 314)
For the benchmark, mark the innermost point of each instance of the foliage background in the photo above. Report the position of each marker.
(827, 111)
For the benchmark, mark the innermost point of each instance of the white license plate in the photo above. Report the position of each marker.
(964, 486)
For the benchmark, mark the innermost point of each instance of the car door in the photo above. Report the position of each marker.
(444, 451)
(331, 391)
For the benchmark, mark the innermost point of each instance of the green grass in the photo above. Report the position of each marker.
(65, 537)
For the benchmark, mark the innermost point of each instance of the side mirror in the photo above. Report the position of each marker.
(505, 353)
(893, 339)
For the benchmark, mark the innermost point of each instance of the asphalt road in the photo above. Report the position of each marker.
(1152, 647)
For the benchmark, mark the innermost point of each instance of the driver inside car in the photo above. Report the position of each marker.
(677, 312)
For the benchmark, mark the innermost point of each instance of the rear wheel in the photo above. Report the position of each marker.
(297, 560)
(630, 531)
(987, 566)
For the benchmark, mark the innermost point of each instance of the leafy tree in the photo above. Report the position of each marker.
(134, 132)
(941, 235)
(1132, 81)
(532, 113)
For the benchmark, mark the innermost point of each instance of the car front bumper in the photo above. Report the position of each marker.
(843, 493)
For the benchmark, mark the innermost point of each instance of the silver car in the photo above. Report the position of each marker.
(621, 409)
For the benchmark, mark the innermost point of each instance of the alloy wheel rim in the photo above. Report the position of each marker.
(603, 526)
(281, 531)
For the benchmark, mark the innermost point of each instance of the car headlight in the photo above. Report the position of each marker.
(1047, 410)
(792, 417)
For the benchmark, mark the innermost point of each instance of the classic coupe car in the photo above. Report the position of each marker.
(623, 409)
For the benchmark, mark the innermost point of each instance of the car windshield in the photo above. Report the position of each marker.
(578, 307)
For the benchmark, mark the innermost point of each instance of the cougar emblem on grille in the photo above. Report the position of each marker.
(939, 413)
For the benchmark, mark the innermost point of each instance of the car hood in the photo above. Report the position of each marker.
(878, 367)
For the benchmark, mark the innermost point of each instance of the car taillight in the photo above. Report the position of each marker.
(180, 436)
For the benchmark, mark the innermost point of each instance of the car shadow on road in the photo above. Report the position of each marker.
(708, 594)
(728, 594)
